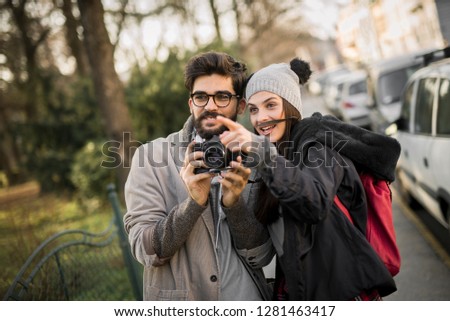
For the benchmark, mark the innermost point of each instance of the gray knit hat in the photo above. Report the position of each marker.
(279, 79)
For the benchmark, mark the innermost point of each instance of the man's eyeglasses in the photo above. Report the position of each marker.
(221, 100)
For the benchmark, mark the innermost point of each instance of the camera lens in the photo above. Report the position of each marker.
(214, 155)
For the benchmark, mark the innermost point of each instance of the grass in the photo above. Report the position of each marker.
(25, 222)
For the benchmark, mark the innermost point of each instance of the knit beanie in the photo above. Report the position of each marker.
(281, 80)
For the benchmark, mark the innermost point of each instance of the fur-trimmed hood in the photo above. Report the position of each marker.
(369, 151)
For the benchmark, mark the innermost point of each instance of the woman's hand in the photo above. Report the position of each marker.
(237, 137)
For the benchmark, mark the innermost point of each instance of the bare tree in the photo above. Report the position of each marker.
(22, 61)
(215, 13)
(108, 87)
(74, 42)
(268, 30)
(32, 36)
(237, 14)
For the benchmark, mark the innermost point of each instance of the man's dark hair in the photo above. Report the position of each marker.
(206, 64)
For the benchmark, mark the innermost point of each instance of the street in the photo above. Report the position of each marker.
(425, 271)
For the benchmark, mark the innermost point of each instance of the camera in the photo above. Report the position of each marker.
(215, 155)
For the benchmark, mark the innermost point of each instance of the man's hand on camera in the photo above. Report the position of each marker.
(233, 182)
(198, 185)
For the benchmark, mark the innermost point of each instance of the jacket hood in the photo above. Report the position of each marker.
(369, 151)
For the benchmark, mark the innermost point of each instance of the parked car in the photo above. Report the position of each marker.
(352, 97)
(423, 130)
(332, 92)
(319, 80)
(386, 80)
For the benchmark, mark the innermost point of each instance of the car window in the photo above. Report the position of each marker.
(405, 115)
(358, 88)
(424, 106)
(443, 116)
(391, 84)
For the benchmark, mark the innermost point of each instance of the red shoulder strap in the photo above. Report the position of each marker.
(342, 207)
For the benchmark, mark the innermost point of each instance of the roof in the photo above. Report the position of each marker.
(438, 68)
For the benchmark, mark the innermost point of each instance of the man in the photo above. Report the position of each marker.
(189, 251)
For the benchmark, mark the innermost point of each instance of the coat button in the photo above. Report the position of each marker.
(213, 278)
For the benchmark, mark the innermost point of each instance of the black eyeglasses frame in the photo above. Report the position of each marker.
(214, 98)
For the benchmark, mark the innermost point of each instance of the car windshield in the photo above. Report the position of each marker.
(391, 84)
(358, 88)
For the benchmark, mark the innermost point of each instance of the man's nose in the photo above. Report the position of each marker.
(211, 105)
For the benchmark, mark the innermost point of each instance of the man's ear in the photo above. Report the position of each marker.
(190, 105)
(241, 106)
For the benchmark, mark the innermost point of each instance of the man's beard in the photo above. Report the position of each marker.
(209, 133)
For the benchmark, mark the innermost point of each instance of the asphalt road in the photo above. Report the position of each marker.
(425, 269)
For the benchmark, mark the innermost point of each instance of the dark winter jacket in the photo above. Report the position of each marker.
(325, 256)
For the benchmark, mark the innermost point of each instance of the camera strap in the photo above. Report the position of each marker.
(214, 202)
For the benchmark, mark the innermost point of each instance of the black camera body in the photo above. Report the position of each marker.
(215, 155)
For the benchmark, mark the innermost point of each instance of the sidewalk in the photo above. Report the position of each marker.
(425, 270)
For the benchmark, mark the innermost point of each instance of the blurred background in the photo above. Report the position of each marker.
(74, 75)
(83, 83)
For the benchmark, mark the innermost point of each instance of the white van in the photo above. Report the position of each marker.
(423, 131)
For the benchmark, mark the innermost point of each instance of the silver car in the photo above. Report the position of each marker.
(352, 98)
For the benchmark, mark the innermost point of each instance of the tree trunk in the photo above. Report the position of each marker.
(32, 85)
(9, 156)
(215, 14)
(75, 44)
(237, 14)
(108, 87)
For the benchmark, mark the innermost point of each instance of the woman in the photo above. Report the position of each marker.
(321, 255)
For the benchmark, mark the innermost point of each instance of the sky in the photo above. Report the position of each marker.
(323, 16)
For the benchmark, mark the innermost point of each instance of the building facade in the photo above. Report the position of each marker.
(370, 30)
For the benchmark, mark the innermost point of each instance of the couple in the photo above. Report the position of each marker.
(273, 204)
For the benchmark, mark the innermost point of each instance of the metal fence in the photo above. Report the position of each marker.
(79, 265)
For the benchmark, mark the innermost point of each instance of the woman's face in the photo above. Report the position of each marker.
(265, 106)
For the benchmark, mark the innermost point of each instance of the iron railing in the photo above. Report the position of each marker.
(80, 265)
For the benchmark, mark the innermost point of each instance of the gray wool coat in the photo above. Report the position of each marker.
(173, 236)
